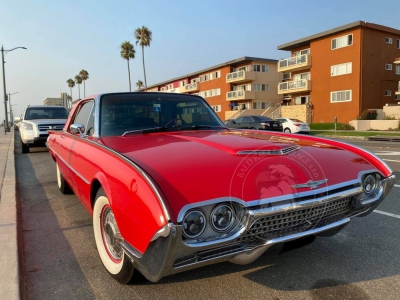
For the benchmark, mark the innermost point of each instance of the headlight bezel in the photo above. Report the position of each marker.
(27, 126)
(184, 221)
(230, 223)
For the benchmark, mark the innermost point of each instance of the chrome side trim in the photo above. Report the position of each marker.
(71, 168)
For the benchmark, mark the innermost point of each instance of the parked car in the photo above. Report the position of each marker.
(294, 125)
(171, 188)
(254, 122)
(36, 120)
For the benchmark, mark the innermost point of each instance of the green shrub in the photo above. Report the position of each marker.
(389, 118)
(345, 127)
(368, 114)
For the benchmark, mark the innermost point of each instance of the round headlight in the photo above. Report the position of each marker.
(194, 224)
(370, 184)
(222, 217)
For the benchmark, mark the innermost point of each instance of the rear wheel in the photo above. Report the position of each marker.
(63, 186)
(25, 148)
(108, 240)
(287, 130)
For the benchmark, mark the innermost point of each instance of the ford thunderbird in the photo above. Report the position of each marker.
(171, 188)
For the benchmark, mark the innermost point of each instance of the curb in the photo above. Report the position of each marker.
(9, 259)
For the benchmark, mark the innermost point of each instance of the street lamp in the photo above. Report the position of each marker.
(9, 102)
(7, 128)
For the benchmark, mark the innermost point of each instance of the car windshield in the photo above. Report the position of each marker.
(151, 112)
(46, 113)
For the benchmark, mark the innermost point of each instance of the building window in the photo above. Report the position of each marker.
(343, 41)
(215, 75)
(341, 96)
(301, 52)
(388, 93)
(398, 70)
(398, 44)
(260, 105)
(261, 68)
(397, 97)
(216, 108)
(287, 76)
(389, 40)
(388, 67)
(256, 87)
(264, 87)
(204, 78)
(301, 100)
(341, 69)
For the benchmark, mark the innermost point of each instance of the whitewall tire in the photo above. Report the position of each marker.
(62, 184)
(108, 238)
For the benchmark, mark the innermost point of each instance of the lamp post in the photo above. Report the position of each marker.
(6, 128)
(9, 102)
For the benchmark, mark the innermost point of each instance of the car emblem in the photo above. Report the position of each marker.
(311, 184)
(50, 127)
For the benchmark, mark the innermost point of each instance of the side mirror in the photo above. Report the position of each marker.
(77, 128)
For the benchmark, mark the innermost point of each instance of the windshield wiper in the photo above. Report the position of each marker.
(147, 130)
(197, 127)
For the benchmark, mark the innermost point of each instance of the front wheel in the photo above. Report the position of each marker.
(287, 130)
(108, 240)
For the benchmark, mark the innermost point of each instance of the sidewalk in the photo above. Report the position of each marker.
(9, 263)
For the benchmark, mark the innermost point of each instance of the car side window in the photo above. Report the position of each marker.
(85, 116)
(247, 119)
(239, 120)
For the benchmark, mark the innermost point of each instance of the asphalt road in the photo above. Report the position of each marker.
(61, 260)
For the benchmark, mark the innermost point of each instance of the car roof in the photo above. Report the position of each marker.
(40, 106)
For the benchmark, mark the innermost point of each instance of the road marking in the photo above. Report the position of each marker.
(387, 214)
(387, 153)
(397, 185)
(390, 160)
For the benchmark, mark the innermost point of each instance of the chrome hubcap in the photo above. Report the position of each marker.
(111, 235)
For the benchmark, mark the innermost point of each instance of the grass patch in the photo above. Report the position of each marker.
(354, 133)
(326, 126)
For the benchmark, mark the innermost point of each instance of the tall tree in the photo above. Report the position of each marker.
(143, 38)
(71, 84)
(78, 80)
(139, 84)
(85, 76)
(128, 52)
(69, 99)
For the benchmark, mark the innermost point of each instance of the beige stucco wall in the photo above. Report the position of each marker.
(392, 111)
(363, 125)
(301, 112)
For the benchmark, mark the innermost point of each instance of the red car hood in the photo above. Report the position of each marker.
(203, 165)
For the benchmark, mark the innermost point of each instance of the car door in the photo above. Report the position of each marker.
(237, 123)
(248, 122)
(81, 151)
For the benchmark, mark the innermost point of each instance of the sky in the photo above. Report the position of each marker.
(64, 37)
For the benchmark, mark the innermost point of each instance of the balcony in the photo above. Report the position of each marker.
(295, 63)
(302, 85)
(240, 95)
(240, 76)
(192, 87)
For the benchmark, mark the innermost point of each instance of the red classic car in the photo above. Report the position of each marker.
(171, 188)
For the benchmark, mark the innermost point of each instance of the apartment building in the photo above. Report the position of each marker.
(243, 83)
(342, 71)
(397, 64)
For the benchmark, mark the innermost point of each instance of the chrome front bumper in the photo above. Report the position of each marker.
(168, 254)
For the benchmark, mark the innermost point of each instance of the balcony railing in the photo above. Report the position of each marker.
(240, 95)
(192, 87)
(240, 76)
(294, 86)
(294, 63)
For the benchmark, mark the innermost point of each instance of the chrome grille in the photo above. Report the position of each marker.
(45, 127)
(287, 223)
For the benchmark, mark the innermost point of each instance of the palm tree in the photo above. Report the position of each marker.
(78, 80)
(85, 76)
(128, 52)
(143, 38)
(69, 98)
(139, 84)
(71, 84)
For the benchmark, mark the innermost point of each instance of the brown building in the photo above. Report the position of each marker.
(243, 83)
(342, 71)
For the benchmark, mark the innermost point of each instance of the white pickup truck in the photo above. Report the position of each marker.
(36, 120)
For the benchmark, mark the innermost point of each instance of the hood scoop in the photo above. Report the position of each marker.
(282, 151)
